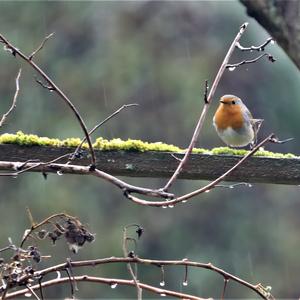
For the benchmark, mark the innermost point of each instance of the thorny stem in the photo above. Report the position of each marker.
(56, 89)
(205, 108)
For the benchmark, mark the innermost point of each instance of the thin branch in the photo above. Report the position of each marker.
(277, 141)
(14, 102)
(5, 248)
(205, 108)
(45, 86)
(232, 67)
(224, 288)
(129, 267)
(40, 47)
(31, 290)
(255, 48)
(99, 125)
(40, 288)
(20, 167)
(15, 51)
(257, 288)
(72, 282)
(82, 170)
(109, 281)
(231, 186)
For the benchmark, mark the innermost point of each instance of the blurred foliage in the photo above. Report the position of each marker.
(157, 54)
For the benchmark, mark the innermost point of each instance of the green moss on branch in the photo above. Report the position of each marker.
(23, 139)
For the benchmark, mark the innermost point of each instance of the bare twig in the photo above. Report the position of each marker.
(15, 51)
(231, 186)
(32, 164)
(224, 288)
(31, 290)
(277, 141)
(232, 67)
(45, 86)
(5, 248)
(255, 48)
(40, 288)
(14, 102)
(205, 108)
(109, 281)
(257, 288)
(129, 267)
(40, 47)
(99, 125)
(72, 282)
(82, 170)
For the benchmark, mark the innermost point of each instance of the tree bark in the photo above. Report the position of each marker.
(282, 20)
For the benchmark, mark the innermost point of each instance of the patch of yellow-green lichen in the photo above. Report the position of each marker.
(133, 145)
(21, 138)
(242, 152)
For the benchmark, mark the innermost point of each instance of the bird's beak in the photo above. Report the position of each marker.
(222, 102)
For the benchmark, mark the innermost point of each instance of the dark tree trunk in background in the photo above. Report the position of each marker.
(282, 20)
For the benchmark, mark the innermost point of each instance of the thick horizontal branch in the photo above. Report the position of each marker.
(162, 164)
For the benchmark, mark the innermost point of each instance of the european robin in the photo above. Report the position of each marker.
(234, 122)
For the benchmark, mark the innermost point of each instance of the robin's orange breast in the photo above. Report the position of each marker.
(229, 116)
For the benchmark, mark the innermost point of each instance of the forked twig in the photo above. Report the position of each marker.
(40, 47)
(15, 51)
(14, 102)
(83, 170)
(99, 125)
(30, 165)
(256, 48)
(232, 67)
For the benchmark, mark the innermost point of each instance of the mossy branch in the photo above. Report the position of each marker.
(142, 159)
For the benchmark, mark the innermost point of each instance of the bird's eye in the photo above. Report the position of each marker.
(233, 102)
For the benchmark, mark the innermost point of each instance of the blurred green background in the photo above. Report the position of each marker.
(157, 54)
